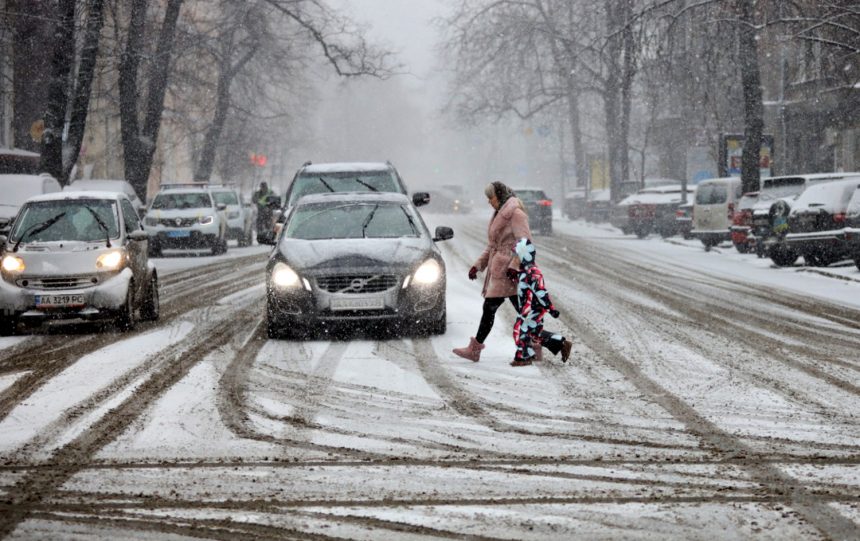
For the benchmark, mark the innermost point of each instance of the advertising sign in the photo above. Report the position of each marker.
(731, 151)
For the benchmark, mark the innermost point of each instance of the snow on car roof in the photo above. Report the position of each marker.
(361, 197)
(829, 196)
(718, 180)
(89, 194)
(336, 167)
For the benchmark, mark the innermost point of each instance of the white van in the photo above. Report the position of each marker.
(18, 188)
(714, 208)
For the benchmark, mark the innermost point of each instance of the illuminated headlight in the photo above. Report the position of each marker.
(232, 215)
(428, 273)
(206, 220)
(284, 276)
(111, 260)
(13, 263)
(150, 221)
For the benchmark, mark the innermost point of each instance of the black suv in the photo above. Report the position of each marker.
(348, 177)
(817, 223)
(538, 207)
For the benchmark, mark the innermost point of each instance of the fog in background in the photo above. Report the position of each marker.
(400, 119)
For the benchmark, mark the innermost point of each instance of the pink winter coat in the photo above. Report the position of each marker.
(509, 225)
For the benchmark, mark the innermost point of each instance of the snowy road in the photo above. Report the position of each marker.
(700, 403)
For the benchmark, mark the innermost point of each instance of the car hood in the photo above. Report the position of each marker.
(61, 258)
(321, 256)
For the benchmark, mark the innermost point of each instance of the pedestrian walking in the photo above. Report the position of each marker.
(534, 303)
(508, 223)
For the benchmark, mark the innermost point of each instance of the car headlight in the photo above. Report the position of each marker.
(428, 273)
(283, 276)
(206, 220)
(111, 260)
(13, 263)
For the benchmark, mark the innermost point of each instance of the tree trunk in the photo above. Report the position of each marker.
(753, 107)
(83, 87)
(222, 107)
(55, 113)
(139, 146)
(576, 133)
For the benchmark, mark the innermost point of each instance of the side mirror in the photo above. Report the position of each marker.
(443, 233)
(221, 206)
(420, 198)
(138, 235)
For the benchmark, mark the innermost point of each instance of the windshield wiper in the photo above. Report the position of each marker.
(411, 221)
(326, 184)
(38, 228)
(368, 186)
(101, 224)
(367, 221)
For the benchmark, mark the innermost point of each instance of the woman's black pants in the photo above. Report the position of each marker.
(549, 340)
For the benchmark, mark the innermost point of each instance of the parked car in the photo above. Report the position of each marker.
(818, 220)
(771, 211)
(16, 189)
(355, 258)
(574, 204)
(714, 209)
(538, 207)
(77, 255)
(108, 185)
(240, 218)
(742, 222)
(652, 210)
(186, 218)
(684, 220)
(852, 230)
(597, 207)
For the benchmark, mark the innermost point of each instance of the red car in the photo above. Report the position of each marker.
(742, 223)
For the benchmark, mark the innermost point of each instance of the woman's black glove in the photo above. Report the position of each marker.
(473, 272)
(554, 313)
(512, 275)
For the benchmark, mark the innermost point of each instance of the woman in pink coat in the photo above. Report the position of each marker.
(508, 224)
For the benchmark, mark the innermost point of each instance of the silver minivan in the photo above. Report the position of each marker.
(714, 208)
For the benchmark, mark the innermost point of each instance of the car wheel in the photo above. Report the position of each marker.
(279, 326)
(150, 309)
(782, 256)
(742, 247)
(125, 321)
(8, 325)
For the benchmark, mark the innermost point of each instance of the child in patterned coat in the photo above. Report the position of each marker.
(534, 302)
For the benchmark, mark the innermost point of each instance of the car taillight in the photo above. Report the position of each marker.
(680, 213)
(839, 218)
(743, 217)
(545, 202)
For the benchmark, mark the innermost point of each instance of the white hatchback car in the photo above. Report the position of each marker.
(186, 219)
(77, 255)
(240, 218)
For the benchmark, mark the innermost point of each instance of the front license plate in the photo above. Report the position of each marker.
(46, 301)
(359, 303)
(178, 234)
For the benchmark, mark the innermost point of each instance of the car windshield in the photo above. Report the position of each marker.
(341, 220)
(711, 194)
(774, 188)
(76, 221)
(353, 181)
(185, 200)
(528, 196)
(225, 198)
